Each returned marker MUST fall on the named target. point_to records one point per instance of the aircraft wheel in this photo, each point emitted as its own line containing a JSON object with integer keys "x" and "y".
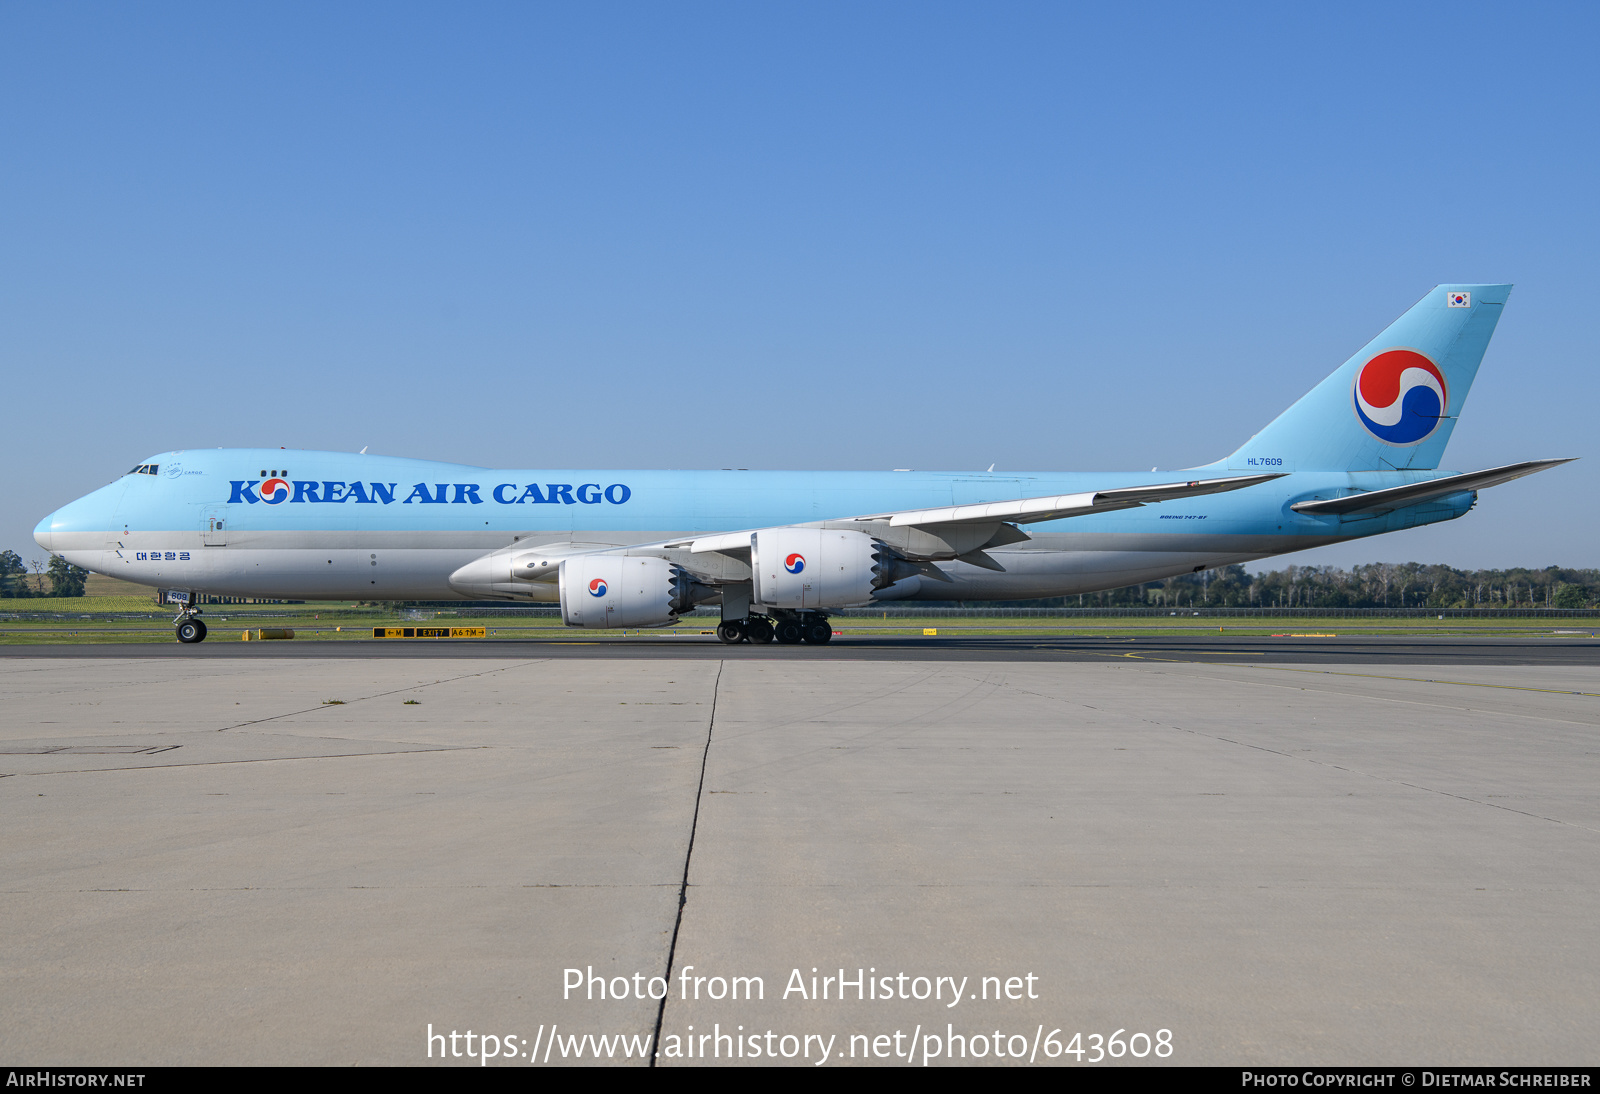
{"x": 758, "y": 630}
{"x": 818, "y": 632}
{"x": 788, "y": 632}
{"x": 191, "y": 630}
{"x": 731, "y": 632}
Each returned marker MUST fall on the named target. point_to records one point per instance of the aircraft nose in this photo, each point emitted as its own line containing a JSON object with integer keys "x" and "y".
{"x": 80, "y": 524}
{"x": 43, "y": 532}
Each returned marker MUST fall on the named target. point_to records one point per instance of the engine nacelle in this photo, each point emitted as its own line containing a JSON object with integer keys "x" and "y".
{"x": 805, "y": 569}
{"x": 512, "y": 573}
{"x": 624, "y": 591}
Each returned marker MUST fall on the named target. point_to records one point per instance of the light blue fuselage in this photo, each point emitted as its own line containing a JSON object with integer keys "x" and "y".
{"x": 373, "y": 527}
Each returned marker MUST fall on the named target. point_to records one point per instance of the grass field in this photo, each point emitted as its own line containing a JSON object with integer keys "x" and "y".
{"x": 109, "y": 619}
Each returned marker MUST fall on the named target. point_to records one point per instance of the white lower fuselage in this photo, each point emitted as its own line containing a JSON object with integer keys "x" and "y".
{"x": 381, "y": 569}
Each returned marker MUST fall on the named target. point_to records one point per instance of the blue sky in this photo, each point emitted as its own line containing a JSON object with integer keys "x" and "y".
{"x": 809, "y": 236}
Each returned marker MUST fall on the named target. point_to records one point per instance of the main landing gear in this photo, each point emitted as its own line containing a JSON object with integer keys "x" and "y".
{"x": 787, "y": 629}
{"x": 754, "y": 629}
{"x": 189, "y": 627}
{"x": 818, "y": 630}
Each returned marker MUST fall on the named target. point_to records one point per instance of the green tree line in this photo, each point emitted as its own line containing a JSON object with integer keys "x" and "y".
{"x": 1374, "y": 585}
{"x": 59, "y": 578}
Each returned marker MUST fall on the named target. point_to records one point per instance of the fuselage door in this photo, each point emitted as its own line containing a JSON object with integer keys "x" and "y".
{"x": 214, "y": 526}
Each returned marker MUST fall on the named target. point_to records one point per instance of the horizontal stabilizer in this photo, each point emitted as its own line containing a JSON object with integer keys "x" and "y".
{"x": 1398, "y": 497}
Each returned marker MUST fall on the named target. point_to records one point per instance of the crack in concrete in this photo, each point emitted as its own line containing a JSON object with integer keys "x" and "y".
{"x": 260, "y": 760}
{"x": 688, "y": 854}
{"x": 382, "y": 694}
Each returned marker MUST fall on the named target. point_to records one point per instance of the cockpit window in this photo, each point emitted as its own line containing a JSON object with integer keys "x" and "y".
{"x": 146, "y": 469}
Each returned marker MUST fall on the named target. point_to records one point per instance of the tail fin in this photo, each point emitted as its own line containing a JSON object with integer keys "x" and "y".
{"x": 1394, "y": 404}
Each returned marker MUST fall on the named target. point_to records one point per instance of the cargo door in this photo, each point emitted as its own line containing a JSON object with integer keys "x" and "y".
{"x": 214, "y": 526}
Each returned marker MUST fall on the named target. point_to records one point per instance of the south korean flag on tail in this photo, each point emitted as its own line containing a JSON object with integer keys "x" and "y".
{"x": 1458, "y": 300}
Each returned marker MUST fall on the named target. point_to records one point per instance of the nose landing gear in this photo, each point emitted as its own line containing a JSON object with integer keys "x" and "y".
{"x": 189, "y": 628}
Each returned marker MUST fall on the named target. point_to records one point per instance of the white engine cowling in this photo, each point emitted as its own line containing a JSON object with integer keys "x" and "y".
{"x": 624, "y": 591}
{"x": 805, "y": 569}
{"x": 512, "y": 573}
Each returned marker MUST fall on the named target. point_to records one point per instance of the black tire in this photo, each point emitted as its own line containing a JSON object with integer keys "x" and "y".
{"x": 731, "y": 631}
{"x": 788, "y": 632}
{"x": 759, "y": 630}
{"x": 818, "y": 632}
{"x": 191, "y": 630}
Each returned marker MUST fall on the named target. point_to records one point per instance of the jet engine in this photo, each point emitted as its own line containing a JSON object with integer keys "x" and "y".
{"x": 512, "y": 573}
{"x": 805, "y": 569}
{"x": 627, "y": 591}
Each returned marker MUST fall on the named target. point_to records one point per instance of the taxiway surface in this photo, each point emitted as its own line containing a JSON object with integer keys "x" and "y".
{"x": 298, "y": 854}
{"x": 1577, "y": 649}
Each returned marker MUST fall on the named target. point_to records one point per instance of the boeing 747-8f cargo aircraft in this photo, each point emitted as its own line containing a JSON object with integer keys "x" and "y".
{"x": 778, "y": 550}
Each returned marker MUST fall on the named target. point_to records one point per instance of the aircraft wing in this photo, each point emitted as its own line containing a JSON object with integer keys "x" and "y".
{"x": 1398, "y": 497}
{"x": 1031, "y": 510}
{"x": 995, "y": 513}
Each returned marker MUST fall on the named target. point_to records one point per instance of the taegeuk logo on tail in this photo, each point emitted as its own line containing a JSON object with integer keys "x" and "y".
{"x": 1400, "y": 397}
